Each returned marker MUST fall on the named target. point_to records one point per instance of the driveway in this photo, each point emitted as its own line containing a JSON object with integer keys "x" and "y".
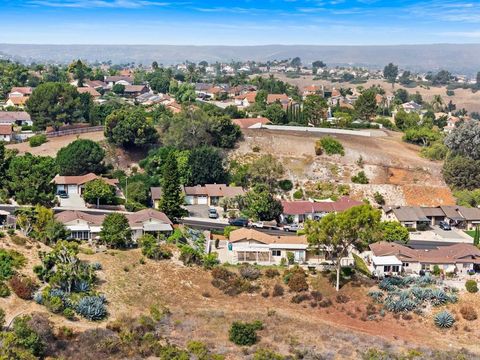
{"x": 435, "y": 234}
{"x": 201, "y": 211}
{"x": 74, "y": 201}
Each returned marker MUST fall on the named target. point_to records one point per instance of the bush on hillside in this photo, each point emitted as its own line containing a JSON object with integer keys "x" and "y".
{"x": 331, "y": 146}
{"x": 360, "y": 178}
{"x": 37, "y": 140}
{"x": 245, "y": 334}
{"x": 285, "y": 185}
{"x": 468, "y": 313}
{"x": 471, "y": 286}
{"x": 23, "y": 287}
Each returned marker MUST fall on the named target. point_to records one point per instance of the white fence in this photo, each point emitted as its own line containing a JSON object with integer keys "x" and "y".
{"x": 75, "y": 131}
{"x": 320, "y": 130}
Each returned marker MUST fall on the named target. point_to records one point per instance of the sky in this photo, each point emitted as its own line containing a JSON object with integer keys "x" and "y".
{"x": 239, "y": 22}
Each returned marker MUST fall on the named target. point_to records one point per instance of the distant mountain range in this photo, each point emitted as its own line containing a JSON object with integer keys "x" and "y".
{"x": 458, "y": 58}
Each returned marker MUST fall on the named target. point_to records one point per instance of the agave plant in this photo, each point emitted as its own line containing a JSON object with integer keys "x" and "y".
{"x": 377, "y": 296}
{"x": 439, "y": 297}
{"x": 387, "y": 285}
{"x": 82, "y": 286}
{"x": 444, "y": 319}
{"x": 38, "y": 297}
{"x": 91, "y": 308}
{"x": 96, "y": 266}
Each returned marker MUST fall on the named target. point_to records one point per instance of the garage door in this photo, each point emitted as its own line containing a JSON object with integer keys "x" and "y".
{"x": 189, "y": 200}
{"x": 202, "y": 200}
{"x": 72, "y": 189}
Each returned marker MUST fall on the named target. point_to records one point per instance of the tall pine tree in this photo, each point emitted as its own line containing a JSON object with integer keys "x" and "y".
{"x": 172, "y": 199}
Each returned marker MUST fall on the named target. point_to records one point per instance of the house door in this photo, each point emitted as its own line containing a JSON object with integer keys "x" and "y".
{"x": 202, "y": 200}
{"x": 299, "y": 256}
{"x": 72, "y": 189}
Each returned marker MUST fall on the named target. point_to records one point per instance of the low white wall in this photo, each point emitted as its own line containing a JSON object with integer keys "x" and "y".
{"x": 318, "y": 130}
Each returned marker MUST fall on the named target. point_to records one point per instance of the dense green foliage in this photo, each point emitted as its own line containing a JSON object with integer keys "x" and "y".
{"x": 116, "y": 232}
{"x": 152, "y": 249}
{"x": 172, "y": 198}
{"x": 29, "y": 179}
{"x": 80, "y": 157}
{"x": 259, "y": 204}
{"x": 206, "y": 165}
{"x": 54, "y": 104}
{"x": 37, "y": 140}
{"x": 462, "y": 173}
{"x": 394, "y": 231}
{"x": 98, "y": 192}
{"x": 130, "y": 127}
{"x": 244, "y": 334}
{"x": 331, "y": 146}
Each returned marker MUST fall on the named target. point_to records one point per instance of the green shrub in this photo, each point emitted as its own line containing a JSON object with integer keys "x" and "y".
{"x": 228, "y": 229}
{"x": 379, "y": 199}
{"x": 436, "y": 270}
{"x": 435, "y": 151}
{"x": 210, "y": 260}
{"x": 298, "y": 194}
{"x": 265, "y": 354}
{"x": 471, "y": 286}
{"x": 37, "y": 140}
{"x": 2, "y": 318}
{"x": 245, "y": 334}
{"x": 331, "y": 146}
{"x": 4, "y": 290}
{"x": 361, "y": 266}
{"x": 360, "y": 178}
{"x": 23, "y": 287}
{"x": 54, "y": 304}
{"x": 152, "y": 249}
{"x": 296, "y": 279}
{"x": 69, "y": 313}
{"x": 285, "y": 185}
{"x": 10, "y": 260}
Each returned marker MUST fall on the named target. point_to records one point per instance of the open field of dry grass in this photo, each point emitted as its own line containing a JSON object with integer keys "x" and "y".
{"x": 393, "y": 167}
{"x": 202, "y": 312}
{"x": 462, "y": 98}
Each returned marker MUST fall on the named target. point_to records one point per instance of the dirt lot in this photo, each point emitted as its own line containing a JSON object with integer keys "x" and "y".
{"x": 51, "y": 147}
{"x": 393, "y": 167}
{"x": 202, "y": 312}
{"x": 462, "y": 98}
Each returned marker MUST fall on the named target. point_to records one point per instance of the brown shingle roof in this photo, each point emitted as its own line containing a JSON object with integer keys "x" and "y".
{"x": 250, "y": 234}
{"x": 133, "y": 219}
{"x": 147, "y": 214}
{"x": 214, "y": 190}
{"x": 12, "y": 116}
{"x": 156, "y": 193}
{"x": 458, "y": 253}
{"x": 271, "y": 98}
{"x": 306, "y": 207}
{"x": 24, "y": 90}
{"x": 68, "y": 216}
{"x": 135, "y": 88}
{"x": 80, "y": 180}
{"x": 88, "y": 90}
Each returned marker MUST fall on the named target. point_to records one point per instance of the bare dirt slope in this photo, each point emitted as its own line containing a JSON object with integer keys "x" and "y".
{"x": 51, "y": 147}
{"x": 393, "y": 167}
{"x": 201, "y": 312}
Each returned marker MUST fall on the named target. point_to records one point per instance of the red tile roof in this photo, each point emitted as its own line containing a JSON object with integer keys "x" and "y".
{"x": 246, "y": 123}
{"x": 6, "y": 130}
{"x": 80, "y": 180}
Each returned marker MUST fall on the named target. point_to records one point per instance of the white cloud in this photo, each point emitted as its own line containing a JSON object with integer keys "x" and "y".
{"x": 129, "y": 4}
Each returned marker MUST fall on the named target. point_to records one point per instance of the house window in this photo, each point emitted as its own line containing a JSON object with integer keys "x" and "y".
{"x": 387, "y": 268}
{"x": 405, "y": 264}
{"x": 276, "y": 253}
{"x": 425, "y": 267}
{"x": 395, "y": 268}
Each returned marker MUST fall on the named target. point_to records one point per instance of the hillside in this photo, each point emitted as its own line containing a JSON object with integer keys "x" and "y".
{"x": 198, "y": 311}
{"x": 393, "y": 167}
{"x": 460, "y": 58}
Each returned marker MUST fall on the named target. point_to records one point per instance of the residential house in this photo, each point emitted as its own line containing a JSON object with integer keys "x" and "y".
{"x": 413, "y": 216}
{"x": 246, "y": 100}
{"x": 122, "y": 80}
{"x": 299, "y": 211}
{"x": 135, "y": 90}
{"x": 312, "y": 90}
{"x": 251, "y": 123}
{"x": 215, "y": 92}
{"x": 17, "y": 101}
{"x": 19, "y": 118}
{"x": 75, "y": 184}
{"x": 411, "y": 106}
{"x": 89, "y": 90}
{"x": 86, "y": 226}
{"x": 457, "y": 258}
{"x": 96, "y": 84}
{"x": 252, "y": 246}
{"x": 210, "y": 194}
{"x": 24, "y": 91}
{"x": 6, "y": 133}
{"x": 283, "y": 99}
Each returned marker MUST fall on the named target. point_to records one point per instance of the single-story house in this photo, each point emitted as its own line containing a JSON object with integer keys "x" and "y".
{"x": 412, "y": 216}
{"x": 458, "y": 258}
{"x": 89, "y": 90}
{"x": 210, "y": 194}
{"x": 246, "y": 100}
{"x": 312, "y": 90}
{"x": 6, "y": 133}
{"x": 85, "y": 226}
{"x": 75, "y": 184}
{"x": 386, "y": 265}
{"x": 252, "y": 246}
{"x": 20, "y": 91}
{"x": 135, "y": 90}
{"x": 155, "y": 196}
{"x": 411, "y": 106}
{"x": 17, "y": 101}
{"x": 122, "y": 80}
{"x": 251, "y": 123}
{"x": 299, "y": 211}
{"x": 19, "y": 118}
{"x": 95, "y": 84}
{"x": 283, "y": 99}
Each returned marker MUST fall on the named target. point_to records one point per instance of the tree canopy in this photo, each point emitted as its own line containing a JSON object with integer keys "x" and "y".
{"x": 55, "y": 104}
{"x": 465, "y": 140}
{"x": 116, "y": 232}
{"x": 206, "y": 166}
{"x": 366, "y": 105}
{"x": 390, "y": 73}
{"x": 130, "y": 127}
{"x": 80, "y": 157}
{"x": 259, "y": 204}
{"x": 98, "y": 192}
{"x": 172, "y": 199}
